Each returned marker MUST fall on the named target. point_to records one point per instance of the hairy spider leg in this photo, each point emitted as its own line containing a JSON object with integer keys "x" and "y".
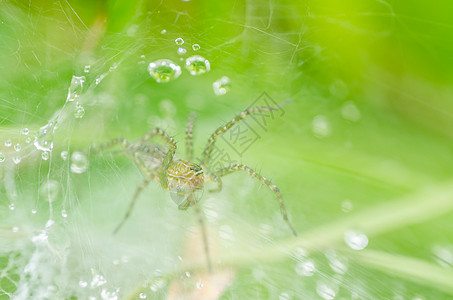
{"x": 149, "y": 177}
{"x": 216, "y": 179}
{"x": 132, "y": 203}
{"x": 203, "y": 231}
{"x": 109, "y": 144}
{"x": 189, "y": 137}
{"x": 263, "y": 180}
{"x": 168, "y": 156}
{"x": 222, "y": 129}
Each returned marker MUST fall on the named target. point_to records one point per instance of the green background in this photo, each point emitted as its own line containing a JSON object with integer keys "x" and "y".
{"x": 391, "y": 158}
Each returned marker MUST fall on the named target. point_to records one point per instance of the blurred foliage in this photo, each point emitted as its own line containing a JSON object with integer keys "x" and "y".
{"x": 364, "y": 144}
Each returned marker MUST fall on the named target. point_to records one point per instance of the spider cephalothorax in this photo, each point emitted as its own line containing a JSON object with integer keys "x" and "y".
{"x": 184, "y": 178}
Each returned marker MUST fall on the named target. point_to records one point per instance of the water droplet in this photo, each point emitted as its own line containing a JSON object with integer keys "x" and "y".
{"x": 347, "y": 206}
{"x": 17, "y": 147}
{"x": 8, "y": 143}
{"x": 320, "y": 126}
{"x": 226, "y": 232}
{"x": 40, "y": 238}
{"x": 64, "y": 214}
{"x": 79, "y": 111}
{"x": 11, "y": 206}
{"x": 195, "y": 47}
{"x": 142, "y": 296}
{"x": 300, "y": 253}
{"x": 443, "y": 255}
{"x": 28, "y": 140}
{"x": 17, "y": 159}
{"x": 199, "y": 284}
{"x": 98, "y": 280}
{"x": 79, "y": 163}
{"x": 87, "y": 69}
{"x": 2, "y": 157}
{"x": 326, "y": 291}
{"x": 181, "y": 51}
{"x": 45, "y": 155}
{"x": 179, "y": 41}
{"x": 75, "y": 88}
{"x": 50, "y": 223}
{"x": 34, "y": 211}
{"x": 44, "y": 140}
{"x": 15, "y": 229}
{"x": 164, "y": 70}
{"x": 187, "y": 274}
{"x": 284, "y": 296}
{"x": 356, "y": 240}
{"x": 197, "y": 65}
{"x": 113, "y": 67}
{"x": 83, "y": 284}
{"x": 222, "y": 86}
{"x": 350, "y": 112}
{"x": 49, "y": 190}
{"x": 305, "y": 268}
{"x": 337, "y": 263}
{"x": 25, "y": 131}
{"x": 64, "y": 155}
{"x": 163, "y": 31}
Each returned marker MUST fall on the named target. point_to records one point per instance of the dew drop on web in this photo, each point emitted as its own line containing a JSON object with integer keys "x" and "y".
{"x": 164, "y": 70}
{"x": 355, "y": 239}
{"x": 79, "y": 163}
{"x": 179, "y": 41}
{"x": 197, "y": 65}
{"x": 222, "y": 86}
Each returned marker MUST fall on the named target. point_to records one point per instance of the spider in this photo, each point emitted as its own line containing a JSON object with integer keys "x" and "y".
{"x": 183, "y": 177}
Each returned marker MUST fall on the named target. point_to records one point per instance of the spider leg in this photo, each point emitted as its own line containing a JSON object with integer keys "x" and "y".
{"x": 168, "y": 156}
{"x": 203, "y": 231}
{"x": 263, "y": 180}
{"x": 217, "y": 179}
{"x": 189, "y": 142}
{"x": 222, "y": 129}
{"x": 123, "y": 142}
{"x": 132, "y": 203}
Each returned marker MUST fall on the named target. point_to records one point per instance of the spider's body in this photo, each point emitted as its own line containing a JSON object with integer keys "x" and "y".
{"x": 183, "y": 177}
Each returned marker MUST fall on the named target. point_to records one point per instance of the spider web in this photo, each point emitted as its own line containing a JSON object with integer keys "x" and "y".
{"x": 74, "y": 78}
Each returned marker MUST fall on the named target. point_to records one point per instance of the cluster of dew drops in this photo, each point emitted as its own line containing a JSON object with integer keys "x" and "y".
{"x": 165, "y": 70}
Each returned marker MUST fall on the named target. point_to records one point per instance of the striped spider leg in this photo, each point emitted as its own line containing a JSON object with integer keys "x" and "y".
{"x": 215, "y": 175}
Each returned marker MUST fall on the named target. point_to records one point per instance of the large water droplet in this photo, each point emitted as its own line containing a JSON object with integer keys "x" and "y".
{"x": 79, "y": 163}
{"x": 195, "y": 47}
{"x": 75, "y": 89}
{"x": 44, "y": 139}
{"x": 164, "y": 70}
{"x": 179, "y": 41}
{"x": 79, "y": 111}
{"x": 197, "y": 65}
{"x": 222, "y": 86}
{"x": 355, "y": 239}
{"x": 320, "y": 126}
{"x": 49, "y": 190}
